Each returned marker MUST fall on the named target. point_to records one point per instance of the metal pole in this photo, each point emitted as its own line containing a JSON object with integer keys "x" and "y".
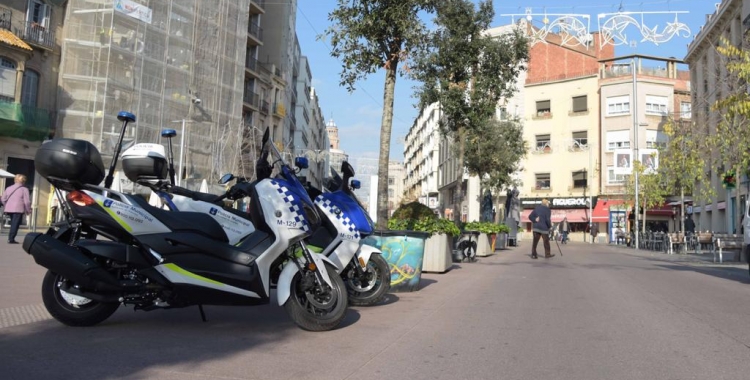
{"x": 634, "y": 102}
{"x": 591, "y": 215}
{"x": 182, "y": 152}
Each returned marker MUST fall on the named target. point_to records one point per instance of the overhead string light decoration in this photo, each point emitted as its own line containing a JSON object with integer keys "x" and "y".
{"x": 613, "y": 28}
{"x": 574, "y": 29}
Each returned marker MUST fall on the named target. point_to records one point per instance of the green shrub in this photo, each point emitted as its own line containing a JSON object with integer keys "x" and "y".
{"x": 487, "y": 227}
{"x": 429, "y": 225}
{"x": 413, "y": 211}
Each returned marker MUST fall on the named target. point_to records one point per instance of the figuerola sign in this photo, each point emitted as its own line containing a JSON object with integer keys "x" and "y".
{"x": 559, "y": 202}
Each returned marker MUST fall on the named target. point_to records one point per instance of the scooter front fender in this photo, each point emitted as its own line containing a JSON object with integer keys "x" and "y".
{"x": 364, "y": 253}
{"x": 284, "y": 285}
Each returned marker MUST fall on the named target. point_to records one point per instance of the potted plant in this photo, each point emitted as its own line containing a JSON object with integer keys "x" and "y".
{"x": 487, "y": 235}
{"x": 438, "y": 246}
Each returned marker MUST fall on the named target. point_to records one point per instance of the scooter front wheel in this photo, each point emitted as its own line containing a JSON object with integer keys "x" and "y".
{"x": 313, "y": 307}
{"x": 70, "y": 309}
{"x": 369, "y": 287}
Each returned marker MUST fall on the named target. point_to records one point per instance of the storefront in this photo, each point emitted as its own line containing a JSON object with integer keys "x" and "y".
{"x": 612, "y": 215}
{"x": 575, "y": 209}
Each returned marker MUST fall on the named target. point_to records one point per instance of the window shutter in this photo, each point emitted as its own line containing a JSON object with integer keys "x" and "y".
{"x": 580, "y": 103}
{"x": 542, "y": 105}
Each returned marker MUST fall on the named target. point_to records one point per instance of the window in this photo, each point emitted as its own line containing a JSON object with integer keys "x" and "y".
{"x": 614, "y": 179}
{"x": 543, "y": 108}
{"x": 618, "y": 140}
{"x": 579, "y": 179}
{"x": 655, "y": 139}
{"x": 581, "y": 139}
{"x": 7, "y": 80}
{"x": 542, "y": 142}
{"x": 30, "y": 88}
{"x": 391, "y": 181}
{"x": 38, "y": 13}
{"x": 390, "y": 193}
{"x": 686, "y": 110}
{"x": 580, "y": 103}
{"x": 656, "y": 105}
{"x": 542, "y": 181}
{"x": 618, "y": 105}
{"x": 502, "y": 114}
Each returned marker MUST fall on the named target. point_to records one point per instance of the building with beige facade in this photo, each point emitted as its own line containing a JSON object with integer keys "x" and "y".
{"x": 708, "y": 75}
{"x": 662, "y": 92}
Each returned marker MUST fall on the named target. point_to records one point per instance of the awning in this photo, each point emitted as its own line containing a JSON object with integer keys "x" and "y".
{"x": 573, "y": 215}
{"x": 601, "y": 211}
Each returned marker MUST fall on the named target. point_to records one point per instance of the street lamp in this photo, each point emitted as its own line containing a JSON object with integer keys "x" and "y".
{"x": 182, "y": 147}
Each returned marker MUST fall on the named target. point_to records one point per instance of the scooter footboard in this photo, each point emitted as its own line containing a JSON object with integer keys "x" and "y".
{"x": 283, "y": 286}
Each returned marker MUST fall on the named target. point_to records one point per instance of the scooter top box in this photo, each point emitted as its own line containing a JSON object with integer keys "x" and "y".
{"x": 70, "y": 159}
{"x": 145, "y": 162}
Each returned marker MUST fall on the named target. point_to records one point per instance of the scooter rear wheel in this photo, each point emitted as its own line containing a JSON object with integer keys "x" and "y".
{"x": 70, "y": 309}
{"x": 313, "y": 309}
{"x": 372, "y": 286}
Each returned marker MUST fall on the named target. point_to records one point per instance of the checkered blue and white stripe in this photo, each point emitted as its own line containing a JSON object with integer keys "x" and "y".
{"x": 294, "y": 206}
{"x": 329, "y": 207}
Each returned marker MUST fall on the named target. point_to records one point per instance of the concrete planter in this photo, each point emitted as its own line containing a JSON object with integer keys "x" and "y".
{"x": 501, "y": 241}
{"x": 483, "y": 245}
{"x": 437, "y": 254}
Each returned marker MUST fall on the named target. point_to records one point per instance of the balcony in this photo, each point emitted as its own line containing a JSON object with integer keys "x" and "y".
{"x": 257, "y": 6}
{"x": 24, "y": 122}
{"x": 251, "y": 99}
{"x": 5, "y": 17}
{"x": 37, "y": 35}
{"x": 251, "y": 64}
{"x": 255, "y": 31}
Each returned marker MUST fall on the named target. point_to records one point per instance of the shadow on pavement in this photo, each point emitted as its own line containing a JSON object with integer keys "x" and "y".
{"x": 425, "y": 282}
{"x": 133, "y": 345}
{"x": 728, "y": 273}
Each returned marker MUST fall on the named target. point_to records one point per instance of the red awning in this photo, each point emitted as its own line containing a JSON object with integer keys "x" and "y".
{"x": 573, "y": 215}
{"x": 601, "y": 211}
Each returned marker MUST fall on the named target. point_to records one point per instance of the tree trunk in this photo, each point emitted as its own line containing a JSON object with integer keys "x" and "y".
{"x": 385, "y": 144}
{"x": 682, "y": 218}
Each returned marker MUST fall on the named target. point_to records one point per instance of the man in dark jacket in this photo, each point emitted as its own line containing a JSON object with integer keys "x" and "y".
{"x": 541, "y": 218}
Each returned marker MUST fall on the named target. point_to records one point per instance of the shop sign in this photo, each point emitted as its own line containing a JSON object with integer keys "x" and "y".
{"x": 559, "y": 202}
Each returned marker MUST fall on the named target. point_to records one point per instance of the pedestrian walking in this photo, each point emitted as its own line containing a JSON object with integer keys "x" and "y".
{"x": 689, "y": 225}
{"x": 16, "y": 203}
{"x": 541, "y": 218}
{"x": 594, "y": 231}
{"x": 564, "y": 229}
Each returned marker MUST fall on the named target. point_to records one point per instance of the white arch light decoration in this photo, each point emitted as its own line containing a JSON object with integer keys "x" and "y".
{"x": 575, "y": 29}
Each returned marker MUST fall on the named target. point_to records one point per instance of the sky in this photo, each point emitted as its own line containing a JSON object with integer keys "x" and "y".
{"x": 358, "y": 114}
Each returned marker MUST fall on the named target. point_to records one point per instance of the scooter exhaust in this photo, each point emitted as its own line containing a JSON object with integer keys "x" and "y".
{"x": 68, "y": 262}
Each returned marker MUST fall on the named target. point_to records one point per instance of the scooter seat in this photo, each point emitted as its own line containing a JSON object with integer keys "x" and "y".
{"x": 185, "y": 221}
{"x": 195, "y": 195}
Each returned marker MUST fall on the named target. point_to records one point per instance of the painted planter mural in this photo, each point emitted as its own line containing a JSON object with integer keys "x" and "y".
{"x": 404, "y": 252}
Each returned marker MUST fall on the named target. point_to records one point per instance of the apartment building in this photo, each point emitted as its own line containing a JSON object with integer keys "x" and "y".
{"x": 731, "y": 20}
{"x": 662, "y": 91}
{"x": 396, "y": 176}
{"x": 561, "y": 127}
{"x": 30, "y": 51}
{"x": 421, "y": 157}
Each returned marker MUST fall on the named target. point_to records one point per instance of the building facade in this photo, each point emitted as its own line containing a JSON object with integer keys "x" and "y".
{"x": 396, "y": 176}
{"x": 421, "y": 150}
{"x": 708, "y": 76}
{"x": 662, "y": 92}
{"x": 30, "y": 53}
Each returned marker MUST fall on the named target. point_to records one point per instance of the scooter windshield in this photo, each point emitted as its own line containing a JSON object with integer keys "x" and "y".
{"x": 287, "y": 173}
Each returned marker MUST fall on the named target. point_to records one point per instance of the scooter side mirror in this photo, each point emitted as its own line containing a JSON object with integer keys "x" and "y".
{"x": 168, "y": 133}
{"x": 356, "y": 184}
{"x": 301, "y": 162}
{"x": 126, "y": 116}
{"x": 226, "y": 178}
{"x": 347, "y": 169}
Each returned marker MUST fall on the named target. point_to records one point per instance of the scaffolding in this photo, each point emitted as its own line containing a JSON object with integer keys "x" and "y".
{"x": 171, "y": 63}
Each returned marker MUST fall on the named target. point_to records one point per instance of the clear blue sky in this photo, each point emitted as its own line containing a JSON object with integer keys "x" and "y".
{"x": 358, "y": 114}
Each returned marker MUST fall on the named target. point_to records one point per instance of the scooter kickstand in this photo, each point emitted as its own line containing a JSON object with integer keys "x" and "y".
{"x": 203, "y": 315}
